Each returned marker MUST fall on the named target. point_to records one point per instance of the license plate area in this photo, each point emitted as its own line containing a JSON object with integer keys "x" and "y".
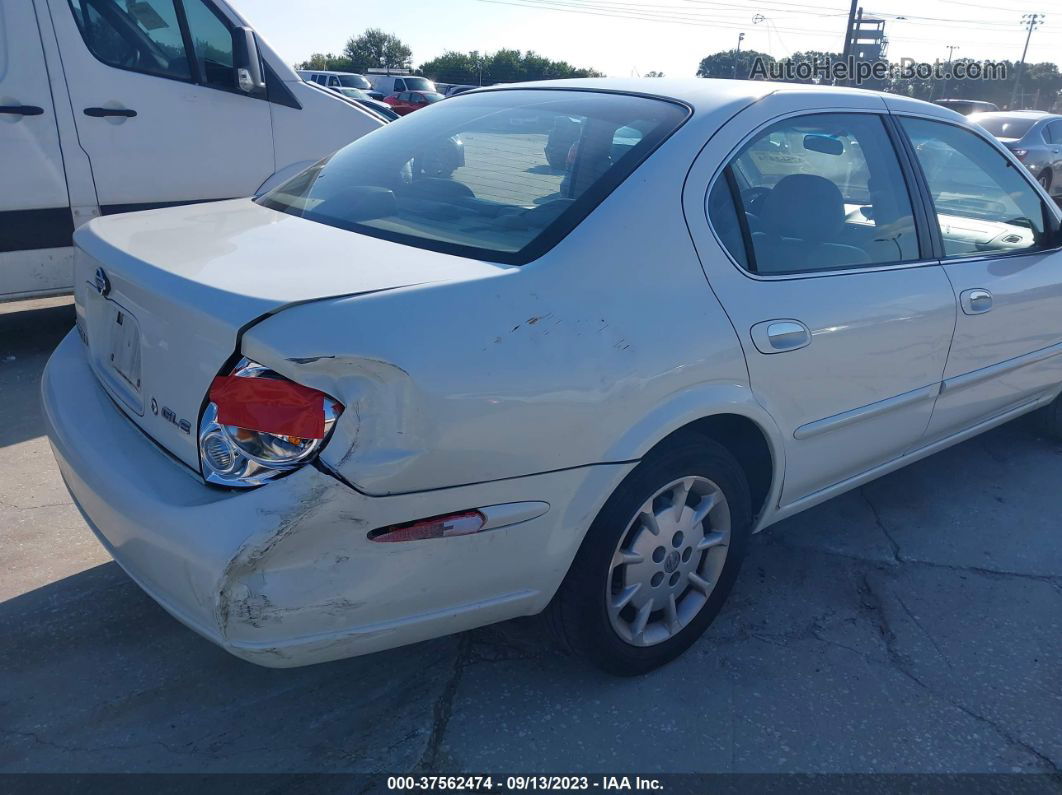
{"x": 114, "y": 347}
{"x": 125, "y": 347}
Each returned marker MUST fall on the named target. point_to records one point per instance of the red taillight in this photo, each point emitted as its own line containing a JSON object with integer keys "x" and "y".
{"x": 269, "y": 405}
{"x": 452, "y": 524}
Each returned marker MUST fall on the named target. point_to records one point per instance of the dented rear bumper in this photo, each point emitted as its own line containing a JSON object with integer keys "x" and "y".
{"x": 285, "y": 575}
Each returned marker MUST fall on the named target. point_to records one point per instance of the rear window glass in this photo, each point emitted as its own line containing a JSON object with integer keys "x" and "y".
{"x": 498, "y": 175}
{"x": 1006, "y": 126}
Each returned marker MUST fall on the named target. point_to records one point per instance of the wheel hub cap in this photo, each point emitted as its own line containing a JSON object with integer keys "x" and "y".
{"x": 668, "y": 561}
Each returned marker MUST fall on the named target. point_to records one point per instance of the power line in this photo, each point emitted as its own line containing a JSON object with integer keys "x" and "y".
{"x": 623, "y": 13}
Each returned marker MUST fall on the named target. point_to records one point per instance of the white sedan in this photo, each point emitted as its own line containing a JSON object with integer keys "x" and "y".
{"x": 377, "y": 405}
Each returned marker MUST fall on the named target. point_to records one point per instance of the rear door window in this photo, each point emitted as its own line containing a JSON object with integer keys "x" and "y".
{"x": 816, "y": 193}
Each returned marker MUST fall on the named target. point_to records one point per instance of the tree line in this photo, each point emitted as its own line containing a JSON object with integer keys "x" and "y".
{"x": 375, "y": 49}
{"x": 1040, "y": 86}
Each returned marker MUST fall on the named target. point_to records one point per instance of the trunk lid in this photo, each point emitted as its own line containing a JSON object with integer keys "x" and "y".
{"x": 163, "y": 296}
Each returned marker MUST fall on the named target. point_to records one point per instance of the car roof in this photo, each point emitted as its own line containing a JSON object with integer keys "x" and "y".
{"x": 1017, "y": 114}
{"x": 705, "y": 95}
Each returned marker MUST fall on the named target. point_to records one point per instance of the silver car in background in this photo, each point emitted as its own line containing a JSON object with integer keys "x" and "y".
{"x": 1035, "y": 138}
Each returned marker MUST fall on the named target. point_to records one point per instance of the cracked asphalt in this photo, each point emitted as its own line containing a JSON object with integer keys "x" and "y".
{"x": 914, "y": 625}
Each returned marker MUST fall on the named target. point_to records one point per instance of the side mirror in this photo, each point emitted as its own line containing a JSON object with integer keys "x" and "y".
{"x": 248, "y": 63}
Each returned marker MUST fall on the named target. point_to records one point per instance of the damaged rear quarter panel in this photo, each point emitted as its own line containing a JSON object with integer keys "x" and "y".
{"x": 529, "y": 369}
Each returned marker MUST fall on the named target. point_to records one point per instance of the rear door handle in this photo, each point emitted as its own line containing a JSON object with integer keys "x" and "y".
{"x": 21, "y": 110}
{"x": 99, "y": 113}
{"x": 779, "y": 336}
{"x": 976, "y": 301}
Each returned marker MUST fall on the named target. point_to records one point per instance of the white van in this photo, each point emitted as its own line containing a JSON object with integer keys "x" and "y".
{"x": 393, "y": 84}
{"x": 109, "y": 106}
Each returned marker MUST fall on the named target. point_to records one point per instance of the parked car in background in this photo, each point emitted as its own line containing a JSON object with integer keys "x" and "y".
{"x": 1034, "y": 137}
{"x": 460, "y": 89}
{"x": 409, "y": 101}
{"x": 967, "y": 106}
{"x": 108, "y": 106}
{"x": 374, "y": 406}
{"x": 341, "y": 80}
{"x": 396, "y": 84}
{"x": 359, "y": 96}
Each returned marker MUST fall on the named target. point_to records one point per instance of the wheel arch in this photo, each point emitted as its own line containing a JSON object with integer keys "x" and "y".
{"x": 728, "y": 414}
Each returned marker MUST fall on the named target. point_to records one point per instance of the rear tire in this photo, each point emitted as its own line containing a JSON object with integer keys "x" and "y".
{"x": 681, "y": 574}
{"x": 1045, "y": 180}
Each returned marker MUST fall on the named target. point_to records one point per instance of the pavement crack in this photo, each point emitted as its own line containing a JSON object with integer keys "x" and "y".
{"x": 429, "y": 760}
{"x": 874, "y": 607}
{"x": 896, "y": 556}
{"x": 926, "y": 632}
{"x": 1051, "y": 579}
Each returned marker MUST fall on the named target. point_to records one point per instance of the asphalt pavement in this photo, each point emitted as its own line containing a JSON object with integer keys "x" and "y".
{"x": 914, "y": 625}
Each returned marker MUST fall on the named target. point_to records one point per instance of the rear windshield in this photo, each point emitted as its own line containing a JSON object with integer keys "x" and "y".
{"x": 499, "y": 175}
{"x": 1006, "y": 126}
{"x": 354, "y": 81}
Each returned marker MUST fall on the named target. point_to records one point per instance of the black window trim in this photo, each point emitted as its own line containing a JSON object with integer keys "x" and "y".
{"x": 925, "y": 254}
{"x": 285, "y": 98}
{"x": 566, "y": 223}
{"x": 1051, "y": 212}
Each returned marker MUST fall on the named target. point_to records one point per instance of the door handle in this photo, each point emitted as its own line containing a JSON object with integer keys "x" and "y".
{"x": 779, "y": 336}
{"x": 976, "y": 301}
{"x": 21, "y": 110}
{"x": 99, "y": 113}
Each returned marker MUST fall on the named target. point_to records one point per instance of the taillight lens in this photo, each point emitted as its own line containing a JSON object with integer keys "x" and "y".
{"x": 259, "y": 425}
{"x": 1020, "y": 153}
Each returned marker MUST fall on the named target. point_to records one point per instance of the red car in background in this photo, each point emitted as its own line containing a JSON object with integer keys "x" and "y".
{"x": 409, "y": 101}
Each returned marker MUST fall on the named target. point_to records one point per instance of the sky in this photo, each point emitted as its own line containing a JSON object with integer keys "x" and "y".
{"x": 624, "y": 38}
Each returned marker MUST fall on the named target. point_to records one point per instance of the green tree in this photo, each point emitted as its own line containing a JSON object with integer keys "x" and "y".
{"x": 654, "y": 73}
{"x": 375, "y": 49}
{"x": 502, "y": 66}
{"x": 731, "y": 64}
{"x": 326, "y": 62}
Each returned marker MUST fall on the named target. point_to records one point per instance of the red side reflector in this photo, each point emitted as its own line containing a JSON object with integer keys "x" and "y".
{"x": 453, "y": 524}
{"x": 270, "y": 405}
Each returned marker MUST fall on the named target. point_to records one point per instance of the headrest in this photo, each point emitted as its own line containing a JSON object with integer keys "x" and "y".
{"x": 805, "y": 206}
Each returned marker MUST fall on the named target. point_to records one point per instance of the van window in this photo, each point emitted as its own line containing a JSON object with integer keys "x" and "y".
{"x": 400, "y": 85}
{"x": 139, "y": 35}
{"x": 471, "y": 177}
{"x": 212, "y": 40}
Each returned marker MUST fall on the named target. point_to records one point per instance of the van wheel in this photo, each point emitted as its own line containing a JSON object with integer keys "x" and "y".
{"x": 659, "y": 560}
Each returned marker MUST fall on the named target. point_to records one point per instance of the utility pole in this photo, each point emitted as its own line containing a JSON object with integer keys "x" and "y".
{"x": 1031, "y": 23}
{"x": 849, "y": 32}
{"x": 737, "y": 54}
{"x": 933, "y": 85}
{"x": 847, "y": 49}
